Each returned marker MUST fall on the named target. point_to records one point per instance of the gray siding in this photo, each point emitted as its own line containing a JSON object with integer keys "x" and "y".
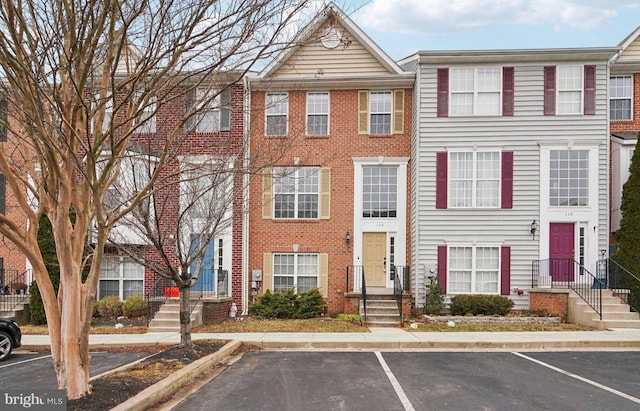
{"x": 521, "y": 134}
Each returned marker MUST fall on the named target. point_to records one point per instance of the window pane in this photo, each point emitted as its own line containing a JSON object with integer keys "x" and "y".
{"x": 277, "y": 108}
{"x": 109, "y": 287}
{"x": 462, "y": 104}
{"x": 379, "y": 192}
{"x": 380, "y": 112}
{"x": 317, "y": 113}
{"x": 569, "y": 181}
{"x": 131, "y": 287}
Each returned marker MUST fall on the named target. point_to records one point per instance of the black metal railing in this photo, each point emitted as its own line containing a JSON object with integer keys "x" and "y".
{"x": 621, "y": 281}
{"x": 210, "y": 283}
{"x": 565, "y": 272}
{"x": 397, "y": 290}
{"x": 14, "y": 289}
{"x": 158, "y": 294}
{"x": 363, "y": 282}
{"x": 359, "y": 284}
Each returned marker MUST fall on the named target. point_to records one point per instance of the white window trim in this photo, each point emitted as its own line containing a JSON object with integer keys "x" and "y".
{"x": 581, "y": 90}
{"x": 474, "y": 180}
{"x": 328, "y": 113}
{"x": 120, "y": 261}
{"x": 297, "y": 193}
{"x": 475, "y": 92}
{"x": 630, "y": 76}
{"x": 390, "y": 113}
{"x": 267, "y": 115}
{"x": 295, "y": 269}
{"x": 474, "y": 246}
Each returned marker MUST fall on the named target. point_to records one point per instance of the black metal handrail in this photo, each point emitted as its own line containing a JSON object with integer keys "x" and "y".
{"x": 621, "y": 281}
{"x": 14, "y": 289}
{"x": 565, "y": 272}
{"x": 398, "y": 288}
{"x": 157, "y": 295}
{"x": 363, "y": 281}
{"x": 210, "y": 283}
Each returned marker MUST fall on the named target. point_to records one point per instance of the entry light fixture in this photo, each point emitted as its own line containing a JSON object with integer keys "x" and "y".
{"x": 534, "y": 228}
{"x": 347, "y": 238}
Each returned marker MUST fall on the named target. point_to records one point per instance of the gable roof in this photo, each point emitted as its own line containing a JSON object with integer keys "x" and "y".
{"x": 332, "y": 16}
{"x": 628, "y": 59}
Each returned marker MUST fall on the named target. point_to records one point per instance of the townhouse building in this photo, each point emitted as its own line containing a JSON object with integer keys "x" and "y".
{"x": 624, "y": 115}
{"x": 510, "y": 170}
{"x": 331, "y": 124}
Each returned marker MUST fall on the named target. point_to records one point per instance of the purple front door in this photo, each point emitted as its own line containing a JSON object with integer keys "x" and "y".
{"x": 561, "y": 251}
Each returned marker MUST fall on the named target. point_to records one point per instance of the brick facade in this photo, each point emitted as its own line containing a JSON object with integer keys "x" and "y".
{"x": 555, "y": 302}
{"x": 335, "y": 151}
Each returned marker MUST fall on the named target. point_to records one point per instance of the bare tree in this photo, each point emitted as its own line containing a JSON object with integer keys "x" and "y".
{"x": 84, "y": 80}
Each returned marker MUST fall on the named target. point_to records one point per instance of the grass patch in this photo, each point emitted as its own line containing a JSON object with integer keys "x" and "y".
{"x": 253, "y": 325}
{"x": 500, "y": 327}
{"x": 28, "y": 329}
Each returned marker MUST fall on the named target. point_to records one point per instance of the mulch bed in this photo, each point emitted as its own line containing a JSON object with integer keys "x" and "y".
{"x": 113, "y": 389}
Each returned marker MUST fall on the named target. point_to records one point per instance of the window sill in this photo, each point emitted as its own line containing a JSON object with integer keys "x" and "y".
{"x": 318, "y": 137}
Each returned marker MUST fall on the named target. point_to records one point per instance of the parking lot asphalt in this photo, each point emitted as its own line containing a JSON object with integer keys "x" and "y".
{"x": 299, "y": 380}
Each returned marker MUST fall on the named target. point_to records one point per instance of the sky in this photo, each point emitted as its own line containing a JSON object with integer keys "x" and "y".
{"x": 402, "y": 27}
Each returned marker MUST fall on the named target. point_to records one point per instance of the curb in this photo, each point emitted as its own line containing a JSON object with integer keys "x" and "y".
{"x": 162, "y": 389}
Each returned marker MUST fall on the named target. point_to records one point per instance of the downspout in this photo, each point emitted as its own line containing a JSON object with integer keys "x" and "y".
{"x": 245, "y": 196}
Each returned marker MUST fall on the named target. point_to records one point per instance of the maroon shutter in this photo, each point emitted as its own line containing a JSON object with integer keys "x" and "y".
{"x": 589, "y": 90}
{"x": 505, "y": 270}
{"x": 441, "y": 179}
{"x": 507, "y": 179}
{"x": 443, "y": 92}
{"x": 550, "y": 91}
{"x": 507, "y": 91}
{"x": 442, "y": 267}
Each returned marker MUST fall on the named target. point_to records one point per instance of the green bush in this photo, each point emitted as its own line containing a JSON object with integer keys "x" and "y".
{"x": 480, "y": 304}
{"x": 109, "y": 307}
{"x": 434, "y": 301}
{"x": 289, "y": 305}
{"x": 350, "y": 317}
{"x": 134, "y": 306}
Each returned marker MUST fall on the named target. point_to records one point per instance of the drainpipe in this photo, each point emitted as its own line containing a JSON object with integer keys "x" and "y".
{"x": 245, "y": 196}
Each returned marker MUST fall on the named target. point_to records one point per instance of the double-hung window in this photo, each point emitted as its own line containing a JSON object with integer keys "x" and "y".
{"x": 380, "y": 107}
{"x": 474, "y": 180}
{"x": 214, "y": 113}
{"x": 277, "y": 109}
{"x": 620, "y": 97}
{"x": 296, "y": 192}
{"x": 475, "y": 91}
{"x": 380, "y": 192}
{"x": 120, "y": 277}
{"x": 295, "y": 271}
{"x": 473, "y": 269}
{"x": 570, "y": 84}
{"x": 317, "y": 114}
{"x": 569, "y": 178}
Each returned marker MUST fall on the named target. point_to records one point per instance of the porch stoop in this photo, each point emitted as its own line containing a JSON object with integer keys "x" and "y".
{"x": 167, "y": 319}
{"x": 18, "y": 311}
{"x": 615, "y": 313}
{"x": 382, "y": 310}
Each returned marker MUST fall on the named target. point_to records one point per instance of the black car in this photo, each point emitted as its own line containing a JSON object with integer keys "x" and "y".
{"x": 10, "y": 337}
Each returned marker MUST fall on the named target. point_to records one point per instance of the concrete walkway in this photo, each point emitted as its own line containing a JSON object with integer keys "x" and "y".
{"x": 387, "y": 339}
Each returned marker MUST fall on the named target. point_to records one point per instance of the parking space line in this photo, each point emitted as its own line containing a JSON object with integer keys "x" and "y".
{"x": 394, "y": 382}
{"x": 26, "y": 361}
{"x": 577, "y": 377}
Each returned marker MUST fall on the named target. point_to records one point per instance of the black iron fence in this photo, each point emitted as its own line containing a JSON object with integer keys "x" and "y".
{"x": 621, "y": 281}
{"x": 14, "y": 289}
{"x": 565, "y": 272}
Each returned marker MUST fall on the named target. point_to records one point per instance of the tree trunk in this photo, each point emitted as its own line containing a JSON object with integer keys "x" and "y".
{"x": 185, "y": 317}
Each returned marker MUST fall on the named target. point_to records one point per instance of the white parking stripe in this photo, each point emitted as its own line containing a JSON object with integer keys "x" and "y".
{"x": 25, "y": 361}
{"x": 577, "y": 377}
{"x": 396, "y": 385}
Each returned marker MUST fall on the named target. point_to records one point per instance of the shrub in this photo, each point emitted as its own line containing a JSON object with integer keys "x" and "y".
{"x": 109, "y": 307}
{"x": 434, "y": 301}
{"x": 480, "y": 304}
{"x": 289, "y": 305}
{"x": 134, "y": 306}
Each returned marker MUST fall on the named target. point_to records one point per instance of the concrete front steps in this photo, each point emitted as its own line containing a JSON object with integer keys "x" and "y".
{"x": 615, "y": 313}
{"x": 15, "y": 310}
{"x": 382, "y": 309}
{"x": 167, "y": 319}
